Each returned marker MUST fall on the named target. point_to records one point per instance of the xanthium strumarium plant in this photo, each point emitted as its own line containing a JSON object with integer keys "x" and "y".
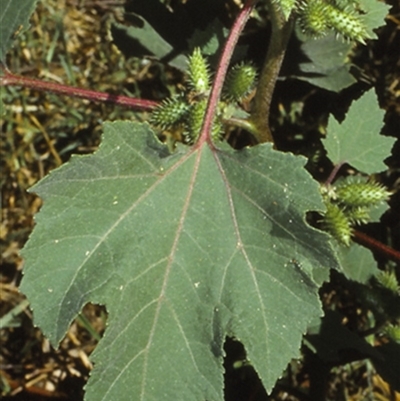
{"x": 190, "y": 245}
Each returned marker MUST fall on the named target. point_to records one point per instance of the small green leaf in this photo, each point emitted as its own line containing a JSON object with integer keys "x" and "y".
{"x": 326, "y": 64}
{"x": 148, "y": 42}
{"x": 209, "y": 40}
{"x": 373, "y": 15}
{"x": 356, "y": 140}
{"x": 14, "y": 18}
{"x": 357, "y": 262}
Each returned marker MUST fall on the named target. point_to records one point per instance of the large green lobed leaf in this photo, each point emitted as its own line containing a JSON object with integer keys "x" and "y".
{"x": 14, "y": 17}
{"x": 183, "y": 250}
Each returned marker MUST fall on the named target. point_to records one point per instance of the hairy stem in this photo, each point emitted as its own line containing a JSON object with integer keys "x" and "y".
{"x": 8, "y": 79}
{"x": 281, "y": 30}
{"x": 237, "y": 28}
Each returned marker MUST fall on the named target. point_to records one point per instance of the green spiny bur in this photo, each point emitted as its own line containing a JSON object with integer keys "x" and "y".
{"x": 171, "y": 112}
{"x": 346, "y": 24}
{"x": 312, "y": 18}
{"x": 239, "y": 81}
{"x": 217, "y": 127}
{"x": 348, "y": 204}
{"x": 389, "y": 281}
{"x": 337, "y": 224}
{"x": 195, "y": 122}
{"x": 198, "y": 74}
{"x": 317, "y": 16}
{"x": 361, "y": 194}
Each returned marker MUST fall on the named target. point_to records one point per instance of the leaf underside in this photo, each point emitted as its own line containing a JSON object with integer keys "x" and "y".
{"x": 183, "y": 250}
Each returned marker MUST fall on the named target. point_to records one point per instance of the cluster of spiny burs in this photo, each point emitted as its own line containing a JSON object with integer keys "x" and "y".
{"x": 182, "y": 115}
{"x": 318, "y": 17}
{"x": 349, "y": 203}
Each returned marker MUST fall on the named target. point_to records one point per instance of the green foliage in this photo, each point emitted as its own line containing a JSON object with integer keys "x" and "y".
{"x": 373, "y": 15}
{"x": 210, "y": 39}
{"x": 195, "y": 121}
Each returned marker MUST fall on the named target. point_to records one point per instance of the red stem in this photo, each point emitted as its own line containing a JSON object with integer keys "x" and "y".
{"x": 334, "y": 172}
{"x": 236, "y": 30}
{"x": 376, "y": 245}
{"x": 8, "y": 79}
